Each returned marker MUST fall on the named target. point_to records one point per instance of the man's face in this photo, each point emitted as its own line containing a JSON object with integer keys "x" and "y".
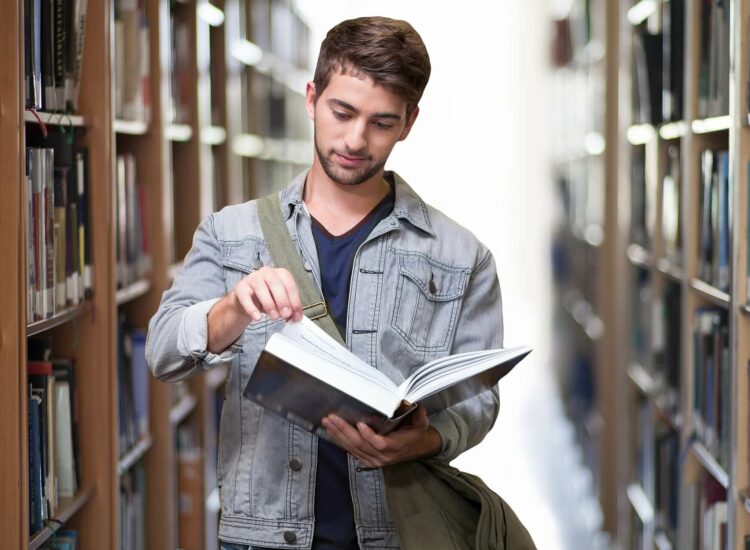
{"x": 357, "y": 123}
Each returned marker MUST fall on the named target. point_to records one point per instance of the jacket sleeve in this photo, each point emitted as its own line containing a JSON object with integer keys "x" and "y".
{"x": 178, "y": 332}
{"x": 480, "y": 326}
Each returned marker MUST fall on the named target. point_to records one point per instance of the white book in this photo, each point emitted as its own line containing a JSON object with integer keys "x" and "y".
{"x": 65, "y": 464}
{"x": 303, "y": 374}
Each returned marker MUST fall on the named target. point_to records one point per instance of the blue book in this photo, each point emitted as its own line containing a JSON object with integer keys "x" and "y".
{"x": 35, "y": 461}
{"x": 140, "y": 375}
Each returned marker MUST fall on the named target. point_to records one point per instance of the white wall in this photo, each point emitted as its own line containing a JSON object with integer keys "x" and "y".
{"x": 479, "y": 152}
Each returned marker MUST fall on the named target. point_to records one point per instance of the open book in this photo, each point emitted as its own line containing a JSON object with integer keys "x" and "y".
{"x": 303, "y": 374}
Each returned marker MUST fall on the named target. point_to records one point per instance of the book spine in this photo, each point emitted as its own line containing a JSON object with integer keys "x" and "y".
{"x": 49, "y": 233}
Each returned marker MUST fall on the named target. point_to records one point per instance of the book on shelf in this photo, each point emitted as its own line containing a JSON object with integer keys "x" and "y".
{"x": 132, "y": 253}
{"x": 132, "y": 80}
{"x": 132, "y": 385}
{"x": 711, "y": 382}
{"x": 671, "y": 201}
{"x": 714, "y": 219}
{"x": 54, "y": 38}
{"x": 673, "y": 25}
{"x": 58, "y": 261}
{"x": 303, "y": 374}
{"x": 66, "y": 539}
{"x": 54, "y": 451}
{"x": 133, "y": 508}
{"x": 713, "y": 75}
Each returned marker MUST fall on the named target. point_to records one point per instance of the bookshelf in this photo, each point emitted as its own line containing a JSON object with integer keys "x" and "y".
{"x": 180, "y": 164}
{"x": 678, "y": 358}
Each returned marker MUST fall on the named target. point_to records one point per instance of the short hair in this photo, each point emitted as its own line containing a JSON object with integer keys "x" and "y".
{"x": 389, "y": 51}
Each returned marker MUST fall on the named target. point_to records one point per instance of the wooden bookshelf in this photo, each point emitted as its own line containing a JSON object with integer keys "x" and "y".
{"x": 188, "y": 169}
{"x": 667, "y": 290}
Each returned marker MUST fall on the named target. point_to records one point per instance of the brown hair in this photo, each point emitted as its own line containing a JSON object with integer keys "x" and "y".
{"x": 387, "y": 50}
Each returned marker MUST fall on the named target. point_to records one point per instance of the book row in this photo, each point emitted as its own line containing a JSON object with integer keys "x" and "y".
{"x": 59, "y": 267}
{"x": 53, "y": 47}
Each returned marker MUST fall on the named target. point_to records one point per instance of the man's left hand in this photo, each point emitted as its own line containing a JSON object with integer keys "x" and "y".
{"x": 414, "y": 440}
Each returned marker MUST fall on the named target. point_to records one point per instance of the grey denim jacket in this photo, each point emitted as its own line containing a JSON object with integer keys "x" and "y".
{"x": 421, "y": 287}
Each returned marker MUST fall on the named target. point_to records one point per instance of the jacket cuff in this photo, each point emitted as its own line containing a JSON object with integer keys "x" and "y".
{"x": 449, "y": 435}
{"x": 193, "y": 337}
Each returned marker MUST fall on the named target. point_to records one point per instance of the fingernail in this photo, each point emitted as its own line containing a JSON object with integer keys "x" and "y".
{"x": 286, "y": 312}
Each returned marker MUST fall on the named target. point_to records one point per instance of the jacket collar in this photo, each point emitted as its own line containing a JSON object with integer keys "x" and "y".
{"x": 407, "y": 206}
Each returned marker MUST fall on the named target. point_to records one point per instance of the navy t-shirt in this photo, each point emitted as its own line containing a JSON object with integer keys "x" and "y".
{"x": 334, "y": 513}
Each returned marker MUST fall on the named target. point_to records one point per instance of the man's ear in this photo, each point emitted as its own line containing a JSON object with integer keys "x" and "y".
{"x": 310, "y": 98}
{"x": 409, "y": 123}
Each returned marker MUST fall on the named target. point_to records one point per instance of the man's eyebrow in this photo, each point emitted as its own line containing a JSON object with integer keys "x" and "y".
{"x": 353, "y": 109}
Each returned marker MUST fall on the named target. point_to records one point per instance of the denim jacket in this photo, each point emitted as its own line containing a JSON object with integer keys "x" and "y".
{"x": 421, "y": 287}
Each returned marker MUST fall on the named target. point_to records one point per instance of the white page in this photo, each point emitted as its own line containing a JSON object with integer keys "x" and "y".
{"x": 418, "y": 386}
{"x": 310, "y": 349}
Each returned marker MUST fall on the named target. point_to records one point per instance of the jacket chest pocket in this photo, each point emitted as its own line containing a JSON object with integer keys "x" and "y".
{"x": 428, "y": 300}
{"x": 239, "y": 258}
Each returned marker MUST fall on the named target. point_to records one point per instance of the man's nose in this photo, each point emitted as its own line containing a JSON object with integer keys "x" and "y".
{"x": 356, "y": 137}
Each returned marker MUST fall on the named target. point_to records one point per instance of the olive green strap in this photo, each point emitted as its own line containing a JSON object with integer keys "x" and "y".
{"x": 285, "y": 255}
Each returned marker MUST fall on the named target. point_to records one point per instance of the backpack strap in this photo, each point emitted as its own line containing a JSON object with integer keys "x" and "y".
{"x": 285, "y": 254}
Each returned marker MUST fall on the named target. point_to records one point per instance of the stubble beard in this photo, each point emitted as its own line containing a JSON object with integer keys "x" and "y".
{"x": 343, "y": 176}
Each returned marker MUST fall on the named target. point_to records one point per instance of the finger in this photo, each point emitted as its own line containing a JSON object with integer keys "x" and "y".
{"x": 350, "y": 439}
{"x": 263, "y": 295}
{"x": 244, "y": 295}
{"x": 292, "y": 290}
{"x": 377, "y": 442}
{"x": 419, "y": 418}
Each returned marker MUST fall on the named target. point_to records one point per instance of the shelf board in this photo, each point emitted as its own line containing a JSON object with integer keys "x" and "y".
{"x": 670, "y": 270}
{"x": 133, "y": 291}
{"x": 640, "y": 503}
{"x": 642, "y": 379}
{"x": 665, "y": 412}
{"x": 711, "y": 124}
{"x": 55, "y": 119}
{"x": 67, "y": 507}
{"x": 56, "y": 320}
{"x": 180, "y": 133}
{"x": 639, "y": 256}
{"x": 134, "y": 455}
{"x": 182, "y": 409}
{"x": 662, "y": 541}
{"x": 706, "y": 459}
{"x": 711, "y": 293}
{"x": 673, "y": 130}
{"x": 213, "y": 135}
{"x": 642, "y": 11}
{"x": 640, "y": 134}
{"x": 216, "y": 377}
{"x": 583, "y": 314}
{"x": 130, "y": 127}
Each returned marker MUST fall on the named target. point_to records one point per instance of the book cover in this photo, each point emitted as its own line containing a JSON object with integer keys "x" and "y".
{"x": 303, "y": 375}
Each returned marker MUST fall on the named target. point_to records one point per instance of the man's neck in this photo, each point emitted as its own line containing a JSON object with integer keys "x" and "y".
{"x": 340, "y": 207}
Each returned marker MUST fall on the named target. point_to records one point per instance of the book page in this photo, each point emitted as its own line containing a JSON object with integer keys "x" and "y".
{"x": 309, "y": 348}
{"x": 448, "y": 371}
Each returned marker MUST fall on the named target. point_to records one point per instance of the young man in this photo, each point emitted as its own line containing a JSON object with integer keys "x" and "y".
{"x": 403, "y": 282}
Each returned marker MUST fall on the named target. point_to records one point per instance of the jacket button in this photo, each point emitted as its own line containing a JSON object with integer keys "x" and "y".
{"x": 290, "y": 536}
{"x": 295, "y": 464}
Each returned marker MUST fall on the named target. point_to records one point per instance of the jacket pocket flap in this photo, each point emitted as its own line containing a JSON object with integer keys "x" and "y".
{"x": 437, "y": 281}
{"x": 246, "y": 256}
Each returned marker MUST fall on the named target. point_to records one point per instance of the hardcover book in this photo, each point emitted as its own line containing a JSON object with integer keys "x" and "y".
{"x": 304, "y": 375}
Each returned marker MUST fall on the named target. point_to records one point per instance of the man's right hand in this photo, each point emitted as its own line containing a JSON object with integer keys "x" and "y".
{"x": 269, "y": 290}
